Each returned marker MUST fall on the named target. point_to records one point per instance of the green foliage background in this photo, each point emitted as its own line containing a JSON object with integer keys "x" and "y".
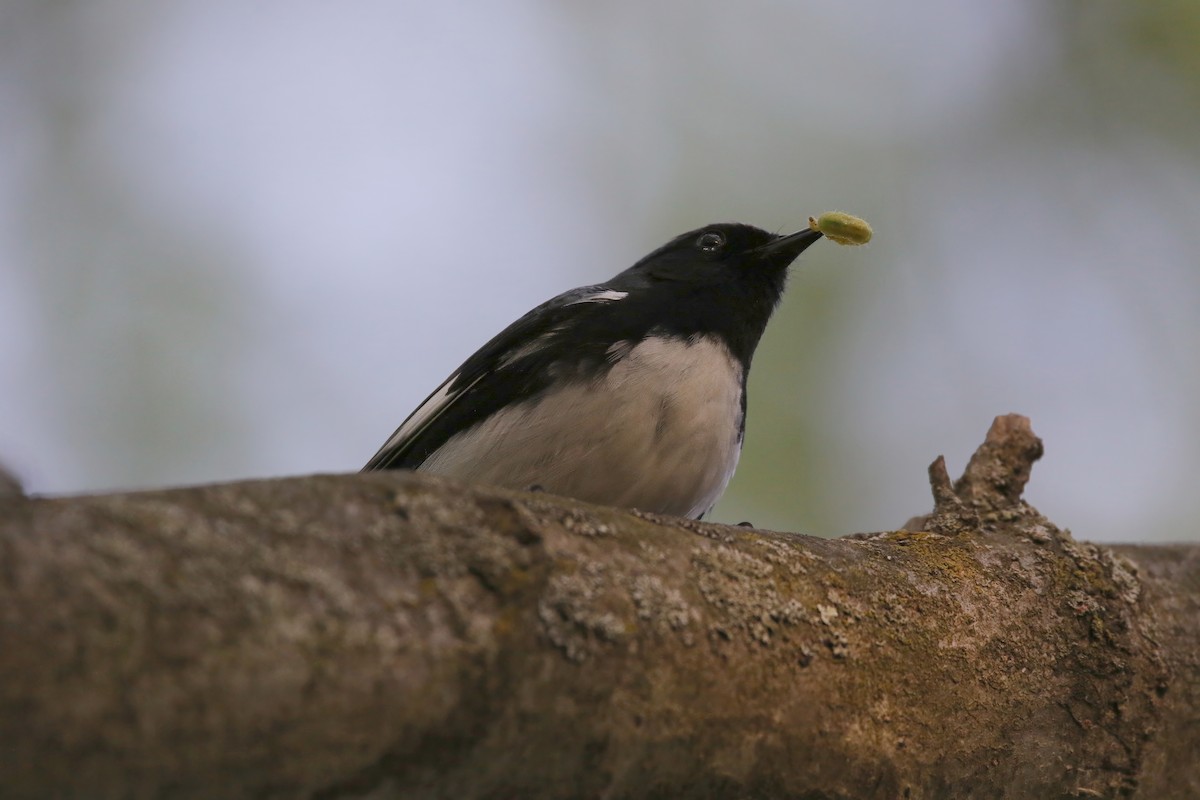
{"x": 246, "y": 240}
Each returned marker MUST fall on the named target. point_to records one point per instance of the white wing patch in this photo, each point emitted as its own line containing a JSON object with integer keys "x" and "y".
{"x": 530, "y": 348}
{"x": 607, "y": 296}
{"x": 618, "y": 351}
{"x": 426, "y": 413}
{"x": 444, "y": 397}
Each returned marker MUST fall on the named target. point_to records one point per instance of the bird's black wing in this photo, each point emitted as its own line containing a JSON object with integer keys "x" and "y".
{"x": 513, "y": 366}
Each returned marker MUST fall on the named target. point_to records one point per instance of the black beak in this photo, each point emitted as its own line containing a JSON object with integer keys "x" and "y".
{"x": 784, "y": 249}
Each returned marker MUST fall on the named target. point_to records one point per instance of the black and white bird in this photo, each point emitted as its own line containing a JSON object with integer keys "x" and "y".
{"x": 629, "y": 393}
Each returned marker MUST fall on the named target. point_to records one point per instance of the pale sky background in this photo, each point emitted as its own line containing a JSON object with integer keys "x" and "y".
{"x": 244, "y": 240}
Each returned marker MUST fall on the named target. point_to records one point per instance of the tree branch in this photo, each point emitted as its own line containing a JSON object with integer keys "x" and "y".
{"x": 394, "y": 635}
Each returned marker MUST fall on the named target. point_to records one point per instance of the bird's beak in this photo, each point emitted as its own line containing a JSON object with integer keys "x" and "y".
{"x": 784, "y": 249}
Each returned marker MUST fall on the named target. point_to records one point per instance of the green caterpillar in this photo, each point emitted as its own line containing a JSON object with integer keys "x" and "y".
{"x": 841, "y": 227}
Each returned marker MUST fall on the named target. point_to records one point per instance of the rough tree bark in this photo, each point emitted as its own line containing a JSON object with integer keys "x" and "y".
{"x": 391, "y": 635}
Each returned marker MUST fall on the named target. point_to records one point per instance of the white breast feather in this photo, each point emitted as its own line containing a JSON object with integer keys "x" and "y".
{"x": 659, "y": 432}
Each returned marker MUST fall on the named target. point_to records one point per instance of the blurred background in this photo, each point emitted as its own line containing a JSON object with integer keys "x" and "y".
{"x": 246, "y": 239}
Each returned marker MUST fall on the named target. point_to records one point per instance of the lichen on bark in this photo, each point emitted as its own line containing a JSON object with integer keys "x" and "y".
{"x": 395, "y": 635}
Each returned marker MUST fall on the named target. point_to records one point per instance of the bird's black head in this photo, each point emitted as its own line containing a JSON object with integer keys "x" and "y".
{"x": 721, "y": 279}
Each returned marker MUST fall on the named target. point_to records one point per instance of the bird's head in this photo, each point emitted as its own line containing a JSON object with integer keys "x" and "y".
{"x": 722, "y": 254}
{"x": 725, "y": 278}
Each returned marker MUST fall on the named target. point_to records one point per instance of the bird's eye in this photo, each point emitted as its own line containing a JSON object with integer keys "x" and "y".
{"x": 711, "y": 241}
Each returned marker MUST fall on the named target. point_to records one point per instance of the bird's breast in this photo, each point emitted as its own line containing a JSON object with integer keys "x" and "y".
{"x": 660, "y": 430}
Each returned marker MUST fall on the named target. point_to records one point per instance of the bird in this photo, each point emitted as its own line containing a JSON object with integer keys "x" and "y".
{"x": 627, "y": 393}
